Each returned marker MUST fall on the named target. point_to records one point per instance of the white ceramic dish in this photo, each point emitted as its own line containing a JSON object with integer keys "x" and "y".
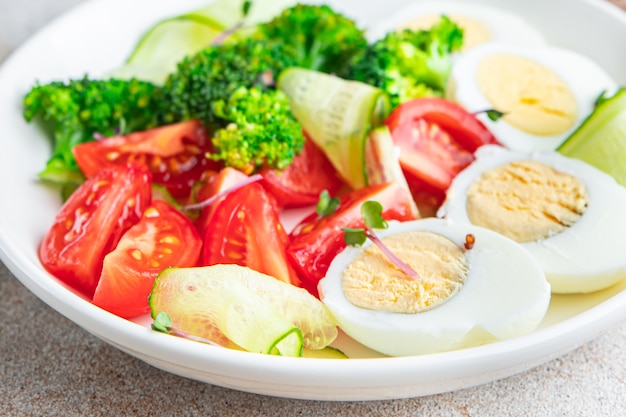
{"x": 95, "y": 38}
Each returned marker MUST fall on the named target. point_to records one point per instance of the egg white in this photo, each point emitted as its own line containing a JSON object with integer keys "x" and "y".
{"x": 591, "y": 254}
{"x": 504, "y": 26}
{"x": 586, "y": 80}
{"x": 505, "y": 295}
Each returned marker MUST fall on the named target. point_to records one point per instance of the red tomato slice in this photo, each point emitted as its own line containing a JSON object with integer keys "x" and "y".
{"x": 317, "y": 240}
{"x": 437, "y": 139}
{"x": 245, "y": 230}
{"x": 222, "y": 181}
{"x": 301, "y": 183}
{"x": 91, "y": 223}
{"x": 163, "y": 237}
{"x": 175, "y": 154}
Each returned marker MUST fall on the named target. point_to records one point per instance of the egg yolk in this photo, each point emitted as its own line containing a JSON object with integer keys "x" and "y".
{"x": 526, "y": 201}
{"x": 474, "y": 31}
{"x": 534, "y": 99}
{"x": 372, "y": 282}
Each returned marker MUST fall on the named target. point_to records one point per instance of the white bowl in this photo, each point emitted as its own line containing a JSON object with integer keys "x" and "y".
{"x": 69, "y": 47}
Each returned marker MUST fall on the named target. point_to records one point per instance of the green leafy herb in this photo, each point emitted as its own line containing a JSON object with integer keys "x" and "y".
{"x": 493, "y": 114}
{"x": 326, "y": 205}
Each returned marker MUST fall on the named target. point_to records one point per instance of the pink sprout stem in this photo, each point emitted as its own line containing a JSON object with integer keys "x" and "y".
{"x": 389, "y": 254}
{"x": 213, "y": 199}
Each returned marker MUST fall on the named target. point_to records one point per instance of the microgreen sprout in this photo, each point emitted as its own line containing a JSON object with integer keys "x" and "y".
{"x": 245, "y": 10}
{"x": 214, "y": 198}
{"x": 493, "y": 114}
{"x": 163, "y": 323}
{"x": 326, "y": 205}
{"x": 371, "y": 213}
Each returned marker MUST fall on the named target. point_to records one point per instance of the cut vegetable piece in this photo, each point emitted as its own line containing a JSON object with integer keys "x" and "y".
{"x": 382, "y": 160}
{"x": 170, "y": 40}
{"x": 338, "y": 115}
{"x": 252, "y": 310}
{"x": 326, "y": 353}
{"x": 601, "y": 139}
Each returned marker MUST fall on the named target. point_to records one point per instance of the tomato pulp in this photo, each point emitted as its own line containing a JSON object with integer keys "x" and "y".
{"x": 175, "y": 154}
{"x": 437, "y": 139}
{"x": 301, "y": 183}
{"x": 162, "y": 238}
{"x": 91, "y": 223}
{"x": 245, "y": 230}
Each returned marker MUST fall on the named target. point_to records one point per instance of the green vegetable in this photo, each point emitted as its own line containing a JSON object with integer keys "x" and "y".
{"x": 601, "y": 139}
{"x": 217, "y": 71}
{"x": 317, "y": 37}
{"x": 261, "y": 131}
{"x": 410, "y": 64}
{"x": 170, "y": 40}
{"x": 326, "y": 353}
{"x": 338, "y": 115}
{"x": 326, "y": 205}
{"x": 77, "y": 110}
{"x": 254, "y": 311}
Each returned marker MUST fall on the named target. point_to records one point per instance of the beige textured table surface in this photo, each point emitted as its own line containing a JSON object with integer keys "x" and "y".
{"x": 51, "y": 367}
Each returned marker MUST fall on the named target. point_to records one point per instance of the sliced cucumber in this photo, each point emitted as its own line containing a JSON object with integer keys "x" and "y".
{"x": 601, "y": 139}
{"x": 254, "y": 311}
{"x": 167, "y": 42}
{"x": 338, "y": 115}
{"x": 326, "y": 353}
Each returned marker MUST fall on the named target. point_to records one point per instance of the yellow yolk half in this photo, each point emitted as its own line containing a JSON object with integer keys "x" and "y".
{"x": 566, "y": 213}
{"x": 371, "y": 281}
{"x": 499, "y": 290}
{"x": 533, "y": 98}
{"x": 526, "y": 201}
{"x": 474, "y": 31}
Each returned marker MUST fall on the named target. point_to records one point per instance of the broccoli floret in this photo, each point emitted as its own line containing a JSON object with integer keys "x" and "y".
{"x": 410, "y": 64}
{"x": 261, "y": 131}
{"x": 318, "y": 37}
{"x": 77, "y": 110}
{"x": 217, "y": 71}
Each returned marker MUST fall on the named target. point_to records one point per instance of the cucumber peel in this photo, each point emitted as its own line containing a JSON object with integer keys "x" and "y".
{"x": 167, "y": 42}
{"x": 601, "y": 139}
{"x": 338, "y": 115}
{"x": 231, "y": 304}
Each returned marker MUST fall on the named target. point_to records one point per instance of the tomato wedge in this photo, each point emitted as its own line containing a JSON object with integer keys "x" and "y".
{"x": 163, "y": 237}
{"x": 91, "y": 223}
{"x": 301, "y": 183}
{"x": 245, "y": 230}
{"x": 175, "y": 154}
{"x": 437, "y": 139}
{"x": 220, "y": 182}
{"x": 316, "y": 241}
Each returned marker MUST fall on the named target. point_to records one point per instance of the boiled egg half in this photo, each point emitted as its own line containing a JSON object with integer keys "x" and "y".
{"x": 567, "y": 214}
{"x": 480, "y": 23}
{"x": 461, "y": 298}
{"x": 545, "y": 92}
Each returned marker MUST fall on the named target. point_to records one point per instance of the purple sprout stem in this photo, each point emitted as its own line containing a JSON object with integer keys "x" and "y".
{"x": 389, "y": 254}
{"x": 213, "y": 199}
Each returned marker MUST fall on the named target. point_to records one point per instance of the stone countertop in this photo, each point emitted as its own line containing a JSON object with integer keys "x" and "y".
{"x": 51, "y": 367}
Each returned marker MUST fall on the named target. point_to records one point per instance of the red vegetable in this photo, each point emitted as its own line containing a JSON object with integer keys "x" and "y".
{"x": 437, "y": 139}
{"x": 91, "y": 223}
{"x": 301, "y": 183}
{"x": 162, "y": 238}
{"x": 175, "y": 154}
{"x": 245, "y": 230}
